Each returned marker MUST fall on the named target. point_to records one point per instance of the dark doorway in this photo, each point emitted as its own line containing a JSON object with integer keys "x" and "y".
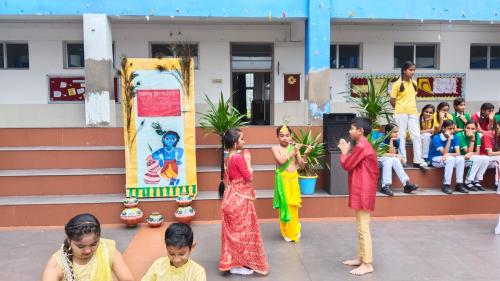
{"x": 251, "y": 66}
{"x": 251, "y": 93}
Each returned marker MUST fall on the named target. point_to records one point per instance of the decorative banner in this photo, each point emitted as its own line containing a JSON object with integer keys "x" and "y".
{"x": 291, "y": 87}
{"x": 430, "y": 86}
{"x": 159, "y": 127}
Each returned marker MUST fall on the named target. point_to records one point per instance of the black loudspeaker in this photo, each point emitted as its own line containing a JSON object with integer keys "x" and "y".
{"x": 335, "y": 127}
{"x": 337, "y": 180}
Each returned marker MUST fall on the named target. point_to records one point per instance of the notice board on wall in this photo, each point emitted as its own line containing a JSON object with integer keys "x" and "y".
{"x": 430, "y": 86}
{"x": 71, "y": 89}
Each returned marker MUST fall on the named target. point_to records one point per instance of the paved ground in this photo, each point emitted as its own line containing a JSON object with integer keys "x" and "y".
{"x": 444, "y": 248}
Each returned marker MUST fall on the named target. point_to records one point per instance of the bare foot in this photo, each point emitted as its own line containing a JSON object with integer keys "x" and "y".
{"x": 363, "y": 269}
{"x": 353, "y": 262}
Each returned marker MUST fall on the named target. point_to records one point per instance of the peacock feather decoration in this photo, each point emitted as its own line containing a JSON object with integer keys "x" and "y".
{"x": 158, "y": 129}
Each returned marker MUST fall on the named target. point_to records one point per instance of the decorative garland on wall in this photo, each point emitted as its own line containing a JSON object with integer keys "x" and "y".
{"x": 430, "y": 86}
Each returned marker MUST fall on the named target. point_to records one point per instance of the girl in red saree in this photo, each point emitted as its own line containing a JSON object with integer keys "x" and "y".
{"x": 242, "y": 250}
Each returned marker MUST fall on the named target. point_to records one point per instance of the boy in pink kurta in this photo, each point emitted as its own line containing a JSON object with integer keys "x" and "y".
{"x": 361, "y": 164}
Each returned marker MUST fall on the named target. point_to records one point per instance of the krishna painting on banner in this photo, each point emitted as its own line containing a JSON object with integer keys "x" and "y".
{"x": 160, "y": 140}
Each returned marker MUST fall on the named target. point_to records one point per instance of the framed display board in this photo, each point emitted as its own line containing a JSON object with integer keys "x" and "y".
{"x": 430, "y": 86}
{"x": 71, "y": 89}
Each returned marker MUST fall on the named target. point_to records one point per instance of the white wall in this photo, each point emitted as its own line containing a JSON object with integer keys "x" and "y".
{"x": 24, "y": 93}
{"x": 132, "y": 39}
{"x": 454, "y": 42}
{"x": 29, "y": 86}
{"x": 290, "y": 56}
{"x": 214, "y": 47}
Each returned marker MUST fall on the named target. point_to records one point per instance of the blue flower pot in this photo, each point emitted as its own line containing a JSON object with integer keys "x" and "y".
{"x": 307, "y": 184}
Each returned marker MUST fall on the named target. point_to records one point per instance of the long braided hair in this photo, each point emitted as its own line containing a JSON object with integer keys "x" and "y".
{"x": 229, "y": 139}
{"x": 405, "y": 66}
{"x": 75, "y": 228}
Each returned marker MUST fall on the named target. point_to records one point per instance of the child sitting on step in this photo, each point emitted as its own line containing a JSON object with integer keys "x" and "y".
{"x": 442, "y": 114}
{"x": 426, "y": 129}
{"x": 177, "y": 265}
{"x": 485, "y": 118}
{"x": 470, "y": 145}
{"x": 460, "y": 117}
{"x": 490, "y": 146}
{"x": 393, "y": 161}
{"x": 445, "y": 152}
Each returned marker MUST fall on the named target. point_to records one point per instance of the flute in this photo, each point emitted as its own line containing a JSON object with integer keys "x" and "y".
{"x": 300, "y": 145}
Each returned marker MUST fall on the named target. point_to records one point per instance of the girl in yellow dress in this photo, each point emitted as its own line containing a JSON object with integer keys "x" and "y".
{"x": 286, "y": 184}
{"x": 85, "y": 256}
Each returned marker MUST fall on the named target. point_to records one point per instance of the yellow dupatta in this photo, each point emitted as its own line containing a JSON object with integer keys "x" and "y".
{"x": 97, "y": 269}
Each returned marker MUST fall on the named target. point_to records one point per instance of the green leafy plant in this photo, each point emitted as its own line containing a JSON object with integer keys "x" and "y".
{"x": 373, "y": 103}
{"x": 377, "y": 139}
{"x": 219, "y": 118}
{"x": 316, "y": 155}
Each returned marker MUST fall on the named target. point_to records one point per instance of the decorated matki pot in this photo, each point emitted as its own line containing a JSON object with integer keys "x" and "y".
{"x": 155, "y": 219}
{"x": 152, "y": 176}
{"x": 130, "y": 202}
{"x": 184, "y": 214}
{"x": 184, "y": 199}
{"x": 131, "y": 216}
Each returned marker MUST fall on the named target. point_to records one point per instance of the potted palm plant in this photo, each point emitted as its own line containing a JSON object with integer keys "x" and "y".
{"x": 308, "y": 174}
{"x": 217, "y": 120}
{"x": 376, "y": 139}
{"x": 373, "y": 102}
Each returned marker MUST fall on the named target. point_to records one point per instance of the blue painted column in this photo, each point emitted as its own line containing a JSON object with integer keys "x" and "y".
{"x": 318, "y": 36}
{"x": 317, "y": 56}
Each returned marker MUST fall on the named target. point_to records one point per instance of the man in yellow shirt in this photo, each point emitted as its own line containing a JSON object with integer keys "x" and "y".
{"x": 176, "y": 266}
{"x": 404, "y": 101}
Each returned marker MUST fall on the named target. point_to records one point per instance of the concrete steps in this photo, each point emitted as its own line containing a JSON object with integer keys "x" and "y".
{"x": 74, "y": 157}
{"x": 433, "y": 178}
{"x": 47, "y": 175}
{"x": 106, "y": 180}
{"x": 55, "y": 210}
{"x": 114, "y": 136}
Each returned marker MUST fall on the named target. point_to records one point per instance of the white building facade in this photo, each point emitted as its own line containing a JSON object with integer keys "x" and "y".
{"x": 24, "y": 91}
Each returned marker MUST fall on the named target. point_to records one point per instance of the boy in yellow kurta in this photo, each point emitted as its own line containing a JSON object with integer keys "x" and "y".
{"x": 176, "y": 266}
{"x": 286, "y": 190}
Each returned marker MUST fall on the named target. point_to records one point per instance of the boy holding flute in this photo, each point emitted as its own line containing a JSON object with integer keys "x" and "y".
{"x": 286, "y": 183}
